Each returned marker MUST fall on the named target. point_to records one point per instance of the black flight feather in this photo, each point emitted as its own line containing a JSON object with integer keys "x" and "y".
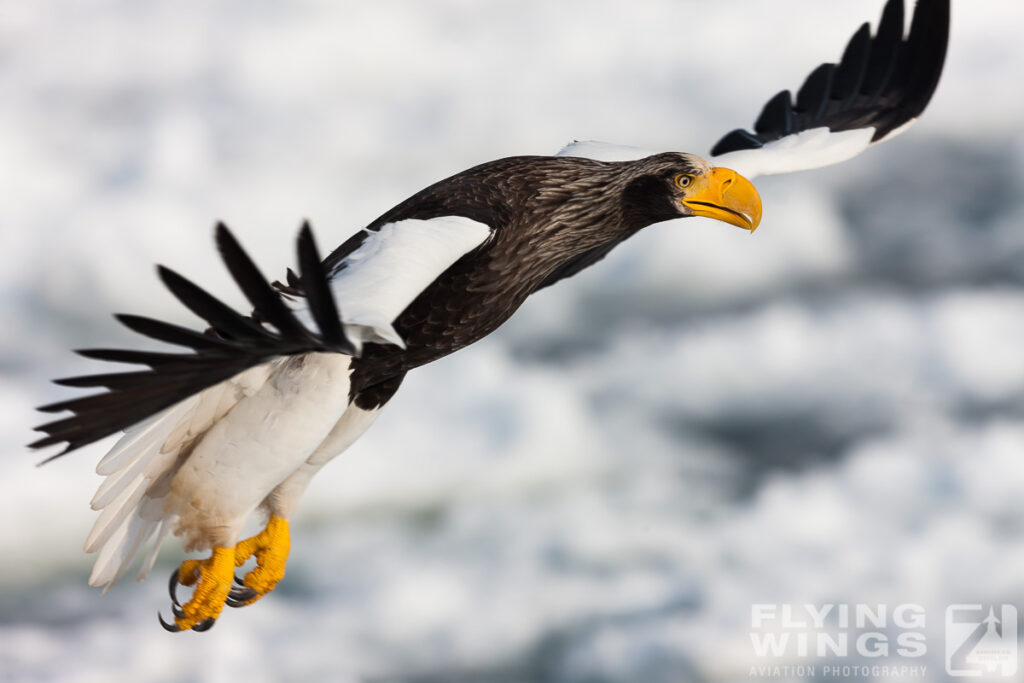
{"x": 850, "y": 73}
{"x": 315, "y": 284}
{"x": 170, "y": 333}
{"x": 776, "y": 119}
{"x": 266, "y": 302}
{"x": 227, "y": 322}
{"x": 233, "y": 344}
{"x": 881, "y": 82}
{"x": 884, "y": 51}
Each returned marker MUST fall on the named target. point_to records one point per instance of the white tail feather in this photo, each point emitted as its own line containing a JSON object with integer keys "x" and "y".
{"x": 114, "y": 515}
{"x": 138, "y": 533}
{"x": 131, "y": 514}
{"x": 110, "y": 563}
{"x": 112, "y": 486}
{"x": 115, "y": 484}
{"x": 165, "y": 527}
{"x": 102, "y": 569}
{"x": 153, "y": 429}
{"x": 179, "y": 435}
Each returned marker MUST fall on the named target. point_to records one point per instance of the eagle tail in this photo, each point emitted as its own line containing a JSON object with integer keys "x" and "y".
{"x": 133, "y": 498}
{"x": 129, "y": 516}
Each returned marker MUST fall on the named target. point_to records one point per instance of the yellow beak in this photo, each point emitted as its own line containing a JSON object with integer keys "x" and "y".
{"x": 725, "y": 195}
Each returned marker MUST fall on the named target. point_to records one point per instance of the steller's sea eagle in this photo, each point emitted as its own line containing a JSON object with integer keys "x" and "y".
{"x": 249, "y": 412}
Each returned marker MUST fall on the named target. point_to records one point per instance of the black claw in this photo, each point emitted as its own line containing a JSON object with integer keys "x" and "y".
{"x": 239, "y": 581}
{"x": 204, "y": 625}
{"x": 172, "y": 588}
{"x": 240, "y": 597}
{"x": 173, "y": 628}
{"x": 244, "y": 593}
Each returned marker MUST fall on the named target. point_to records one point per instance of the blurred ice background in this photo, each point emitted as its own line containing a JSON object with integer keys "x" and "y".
{"x": 831, "y": 411}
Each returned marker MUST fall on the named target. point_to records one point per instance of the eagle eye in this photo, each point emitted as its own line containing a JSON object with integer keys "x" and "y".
{"x": 684, "y": 180}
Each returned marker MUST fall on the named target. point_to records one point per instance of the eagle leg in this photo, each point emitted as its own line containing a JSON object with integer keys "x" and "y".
{"x": 270, "y": 547}
{"x": 212, "y": 580}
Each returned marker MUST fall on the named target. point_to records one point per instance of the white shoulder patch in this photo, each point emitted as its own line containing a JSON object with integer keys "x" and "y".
{"x": 808, "y": 149}
{"x": 392, "y": 266}
{"x": 798, "y": 152}
{"x": 603, "y": 151}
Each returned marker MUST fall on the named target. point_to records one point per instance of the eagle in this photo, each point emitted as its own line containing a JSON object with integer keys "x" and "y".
{"x": 237, "y": 419}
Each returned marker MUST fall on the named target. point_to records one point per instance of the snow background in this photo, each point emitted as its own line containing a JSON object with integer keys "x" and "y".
{"x": 830, "y": 411}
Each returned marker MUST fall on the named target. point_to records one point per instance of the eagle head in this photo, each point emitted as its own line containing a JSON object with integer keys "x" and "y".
{"x": 672, "y": 185}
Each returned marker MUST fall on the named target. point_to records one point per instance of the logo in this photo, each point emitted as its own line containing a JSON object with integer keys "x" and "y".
{"x": 838, "y": 641}
{"x": 981, "y": 640}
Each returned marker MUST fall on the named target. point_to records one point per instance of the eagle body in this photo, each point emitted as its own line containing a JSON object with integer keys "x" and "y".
{"x": 242, "y": 416}
{"x": 263, "y": 434}
{"x": 542, "y": 213}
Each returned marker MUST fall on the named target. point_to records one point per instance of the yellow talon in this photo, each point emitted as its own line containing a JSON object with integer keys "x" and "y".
{"x": 270, "y": 547}
{"x": 212, "y": 578}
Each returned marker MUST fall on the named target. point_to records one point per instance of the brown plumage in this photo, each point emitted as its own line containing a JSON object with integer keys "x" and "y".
{"x": 545, "y": 212}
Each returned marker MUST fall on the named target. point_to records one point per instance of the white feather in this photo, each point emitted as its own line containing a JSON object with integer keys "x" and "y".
{"x": 256, "y": 446}
{"x": 154, "y": 429}
{"x": 111, "y": 562}
{"x": 200, "y": 467}
{"x": 180, "y": 433}
{"x": 115, "y": 484}
{"x": 130, "y": 512}
{"x": 139, "y": 532}
{"x": 392, "y": 266}
{"x": 353, "y": 423}
{"x": 114, "y": 515}
{"x": 808, "y": 149}
{"x": 603, "y": 151}
{"x": 105, "y": 566}
{"x": 163, "y": 529}
{"x": 282, "y": 500}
